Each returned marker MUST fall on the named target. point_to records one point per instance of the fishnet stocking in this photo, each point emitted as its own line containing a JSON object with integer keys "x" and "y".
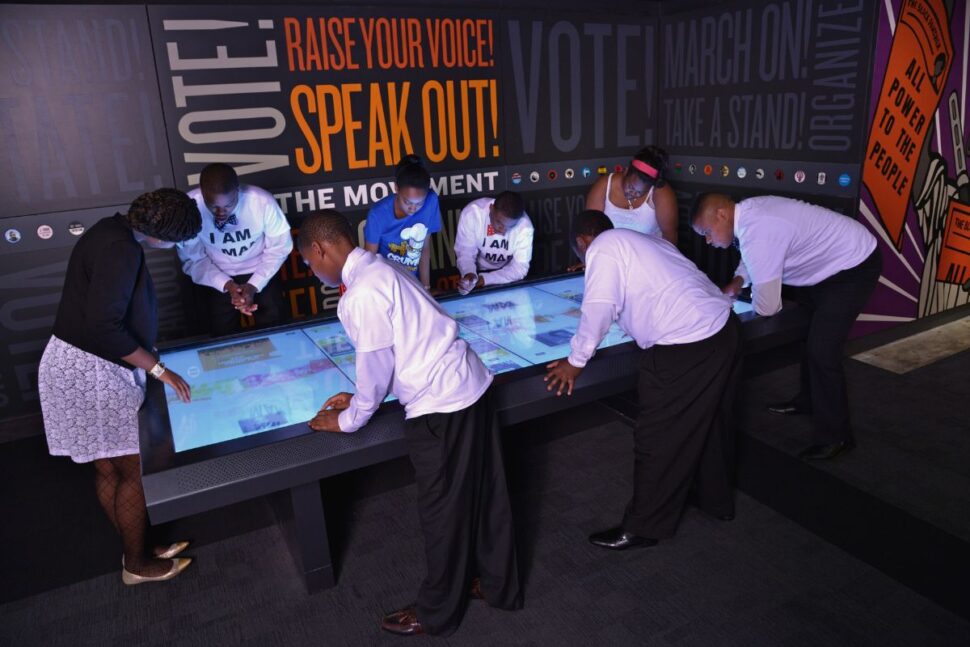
{"x": 106, "y": 484}
{"x": 118, "y": 484}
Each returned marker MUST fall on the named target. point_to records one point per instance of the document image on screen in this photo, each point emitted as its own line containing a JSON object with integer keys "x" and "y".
{"x": 243, "y": 388}
{"x": 531, "y": 323}
{"x": 496, "y": 358}
{"x": 334, "y": 342}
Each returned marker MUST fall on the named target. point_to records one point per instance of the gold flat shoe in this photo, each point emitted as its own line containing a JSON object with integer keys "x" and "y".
{"x": 170, "y": 551}
{"x": 179, "y": 564}
{"x": 173, "y": 550}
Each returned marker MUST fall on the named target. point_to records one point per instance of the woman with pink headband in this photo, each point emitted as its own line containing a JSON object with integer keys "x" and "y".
{"x": 639, "y": 199}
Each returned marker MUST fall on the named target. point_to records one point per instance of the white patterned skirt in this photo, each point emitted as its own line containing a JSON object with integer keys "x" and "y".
{"x": 90, "y": 405}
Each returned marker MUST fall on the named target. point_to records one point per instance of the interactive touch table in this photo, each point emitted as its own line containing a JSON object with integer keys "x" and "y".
{"x": 245, "y": 435}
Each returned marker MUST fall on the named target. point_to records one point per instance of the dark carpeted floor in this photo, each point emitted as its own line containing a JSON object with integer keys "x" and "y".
{"x": 900, "y": 502}
{"x": 913, "y": 433}
{"x": 759, "y": 580}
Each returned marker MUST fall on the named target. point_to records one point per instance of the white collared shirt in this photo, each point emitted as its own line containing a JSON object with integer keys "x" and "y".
{"x": 787, "y": 241}
{"x": 497, "y": 258}
{"x": 645, "y": 285}
{"x": 405, "y": 343}
{"x": 257, "y": 244}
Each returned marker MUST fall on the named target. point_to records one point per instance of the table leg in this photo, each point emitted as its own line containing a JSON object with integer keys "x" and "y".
{"x": 300, "y": 514}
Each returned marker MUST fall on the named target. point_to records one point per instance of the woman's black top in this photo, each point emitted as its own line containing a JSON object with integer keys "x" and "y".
{"x": 108, "y": 305}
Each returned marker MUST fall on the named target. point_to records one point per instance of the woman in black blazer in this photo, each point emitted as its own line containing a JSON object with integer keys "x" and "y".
{"x": 93, "y": 371}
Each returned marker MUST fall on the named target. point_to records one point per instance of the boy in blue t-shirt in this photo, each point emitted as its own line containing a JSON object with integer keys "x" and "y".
{"x": 398, "y": 226}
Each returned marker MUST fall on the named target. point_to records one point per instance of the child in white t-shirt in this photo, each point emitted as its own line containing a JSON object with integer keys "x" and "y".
{"x": 493, "y": 244}
{"x": 236, "y": 258}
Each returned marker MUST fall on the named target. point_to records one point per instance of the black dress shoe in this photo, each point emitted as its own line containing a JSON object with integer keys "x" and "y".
{"x": 790, "y": 408}
{"x": 720, "y": 516}
{"x": 403, "y": 623}
{"x": 619, "y": 539}
{"x": 825, "y": 452}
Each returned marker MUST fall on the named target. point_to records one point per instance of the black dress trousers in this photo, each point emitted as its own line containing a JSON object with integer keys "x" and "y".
{"x": 684, "y": 434}
{"x": 836, "y": 303}
{"x": 466, "y": 517}
{"x": 224, "y": 319}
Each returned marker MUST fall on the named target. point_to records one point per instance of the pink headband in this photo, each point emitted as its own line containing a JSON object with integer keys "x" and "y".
{"x": 645, "y": 168}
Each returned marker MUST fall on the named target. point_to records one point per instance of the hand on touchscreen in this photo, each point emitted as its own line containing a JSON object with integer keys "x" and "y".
{"x": 326, "y": 420}
{"x": 563, "y": 374}
{"x": 733, "y": 289}
{"x": 179, "y": 385}
{"x": 338, "y": 402}
{"x": 467, "y": 283}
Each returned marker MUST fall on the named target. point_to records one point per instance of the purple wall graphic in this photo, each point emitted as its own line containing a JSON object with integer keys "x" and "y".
{"x": 911, "y": 287}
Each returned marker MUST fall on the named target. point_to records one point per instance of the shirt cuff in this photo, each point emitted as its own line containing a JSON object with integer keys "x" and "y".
{"x": 467, "y": 269}
{"x": 742, "y": 271}
{"x": 346, "y": 419}
{"x": 766, "y": 298}
{"x": 593, "y": 325}
{"x": 577, "y": 360}
{"x": 258, "y": 281}
{"x": 218, "y": 282}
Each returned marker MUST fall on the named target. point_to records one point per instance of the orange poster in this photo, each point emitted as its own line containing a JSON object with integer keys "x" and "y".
{"x": 916, "y": 73}
{"x": 955, "y": 255}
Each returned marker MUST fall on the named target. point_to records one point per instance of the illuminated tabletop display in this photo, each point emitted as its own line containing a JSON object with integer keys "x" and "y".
{"x": 244, "y": 435}
{"x": 272, "y": 380}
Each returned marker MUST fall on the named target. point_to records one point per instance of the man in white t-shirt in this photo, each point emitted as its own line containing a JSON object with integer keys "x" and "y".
{"x": 235, "y": 258}
{"x": 406, "y": 343}
{"x": 837, "y": 262}
{"x": 493, "y": 244}
{"x": 689, "y": 369}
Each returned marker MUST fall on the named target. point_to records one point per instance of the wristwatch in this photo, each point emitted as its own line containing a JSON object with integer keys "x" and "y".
{"x": 157, "y": 370}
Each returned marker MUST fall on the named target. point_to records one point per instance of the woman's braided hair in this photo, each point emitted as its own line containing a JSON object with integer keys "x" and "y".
{"x": 166, "y": 214}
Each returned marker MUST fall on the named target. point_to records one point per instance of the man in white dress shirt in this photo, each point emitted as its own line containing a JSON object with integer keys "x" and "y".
{"x": 837, "y": 262}
{"x": 493, "y": 244}
{"x": 688, "y": 372}
{"x": 406, "y": 343}
{"x": 235, "y": 258}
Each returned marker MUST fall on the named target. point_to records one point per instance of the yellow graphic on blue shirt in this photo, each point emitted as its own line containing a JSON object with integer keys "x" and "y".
{"x": 408, "y": 251}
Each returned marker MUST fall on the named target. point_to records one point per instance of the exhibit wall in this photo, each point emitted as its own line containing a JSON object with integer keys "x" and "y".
{"x": 916, "y": 193}
{"x": 764, "y": 98}
{"x": 313, "y": 103}
{"x": 316, "y": 103}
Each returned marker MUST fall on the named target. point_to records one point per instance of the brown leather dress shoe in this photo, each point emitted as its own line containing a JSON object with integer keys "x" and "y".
{"x": 826, "y": 452}
{"x": 403, "y": 622}
{"x": 475, "y": 592}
